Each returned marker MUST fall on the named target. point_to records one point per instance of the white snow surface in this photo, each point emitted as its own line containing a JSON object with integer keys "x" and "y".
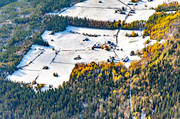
{"x": 92, "y": 9}
{"x": 140, "y": 15}
{"x": 105, "y": 11}
{"x": 104, "y": 4}
{"x": 101, "y": 14}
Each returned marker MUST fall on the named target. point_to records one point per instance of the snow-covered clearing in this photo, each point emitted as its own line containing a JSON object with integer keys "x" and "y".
{"x": 101, "y": 14}
{"x": 129, "y": 44}
{"x": 117, "y": 4}
{"x": 104, "y": 10}
{"x": 73, "y": 37}
{"x": 102, "y": 3}
{"x": 140, "y": 15}
{"x": 70, "y": 44}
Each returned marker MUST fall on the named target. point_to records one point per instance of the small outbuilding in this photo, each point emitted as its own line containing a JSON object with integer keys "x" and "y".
{"x": 55, "y": 74}
{"x": 77, "y": 58}
{"x": 45, "y": 67}
{"x": 126, "y": 59}
{"x": 86, "y": 39}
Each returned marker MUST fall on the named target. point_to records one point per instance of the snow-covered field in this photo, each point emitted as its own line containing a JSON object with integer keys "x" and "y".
{"x": 70, "y": 44}
{"x": 73, "y": 37}
{"x": 118, "y": 4}
{"x": 140, "y": 15}
{"x": 102, "y": 14}
{"x": 102, "y": 3}
{"x": 105, "y": 9}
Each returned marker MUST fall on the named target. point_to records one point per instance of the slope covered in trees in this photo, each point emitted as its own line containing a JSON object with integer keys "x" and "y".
{"x": 5, "y": 2}
{"x": 90, "y": 93}
{"x": 173, "y": 6}
{"x": 155, "y": 89}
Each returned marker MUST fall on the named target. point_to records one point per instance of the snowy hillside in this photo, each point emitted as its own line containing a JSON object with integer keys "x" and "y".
{"x": 53, "y": 65}
{"x": 105, "y": 9}
{"x": 70, "y": 45}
